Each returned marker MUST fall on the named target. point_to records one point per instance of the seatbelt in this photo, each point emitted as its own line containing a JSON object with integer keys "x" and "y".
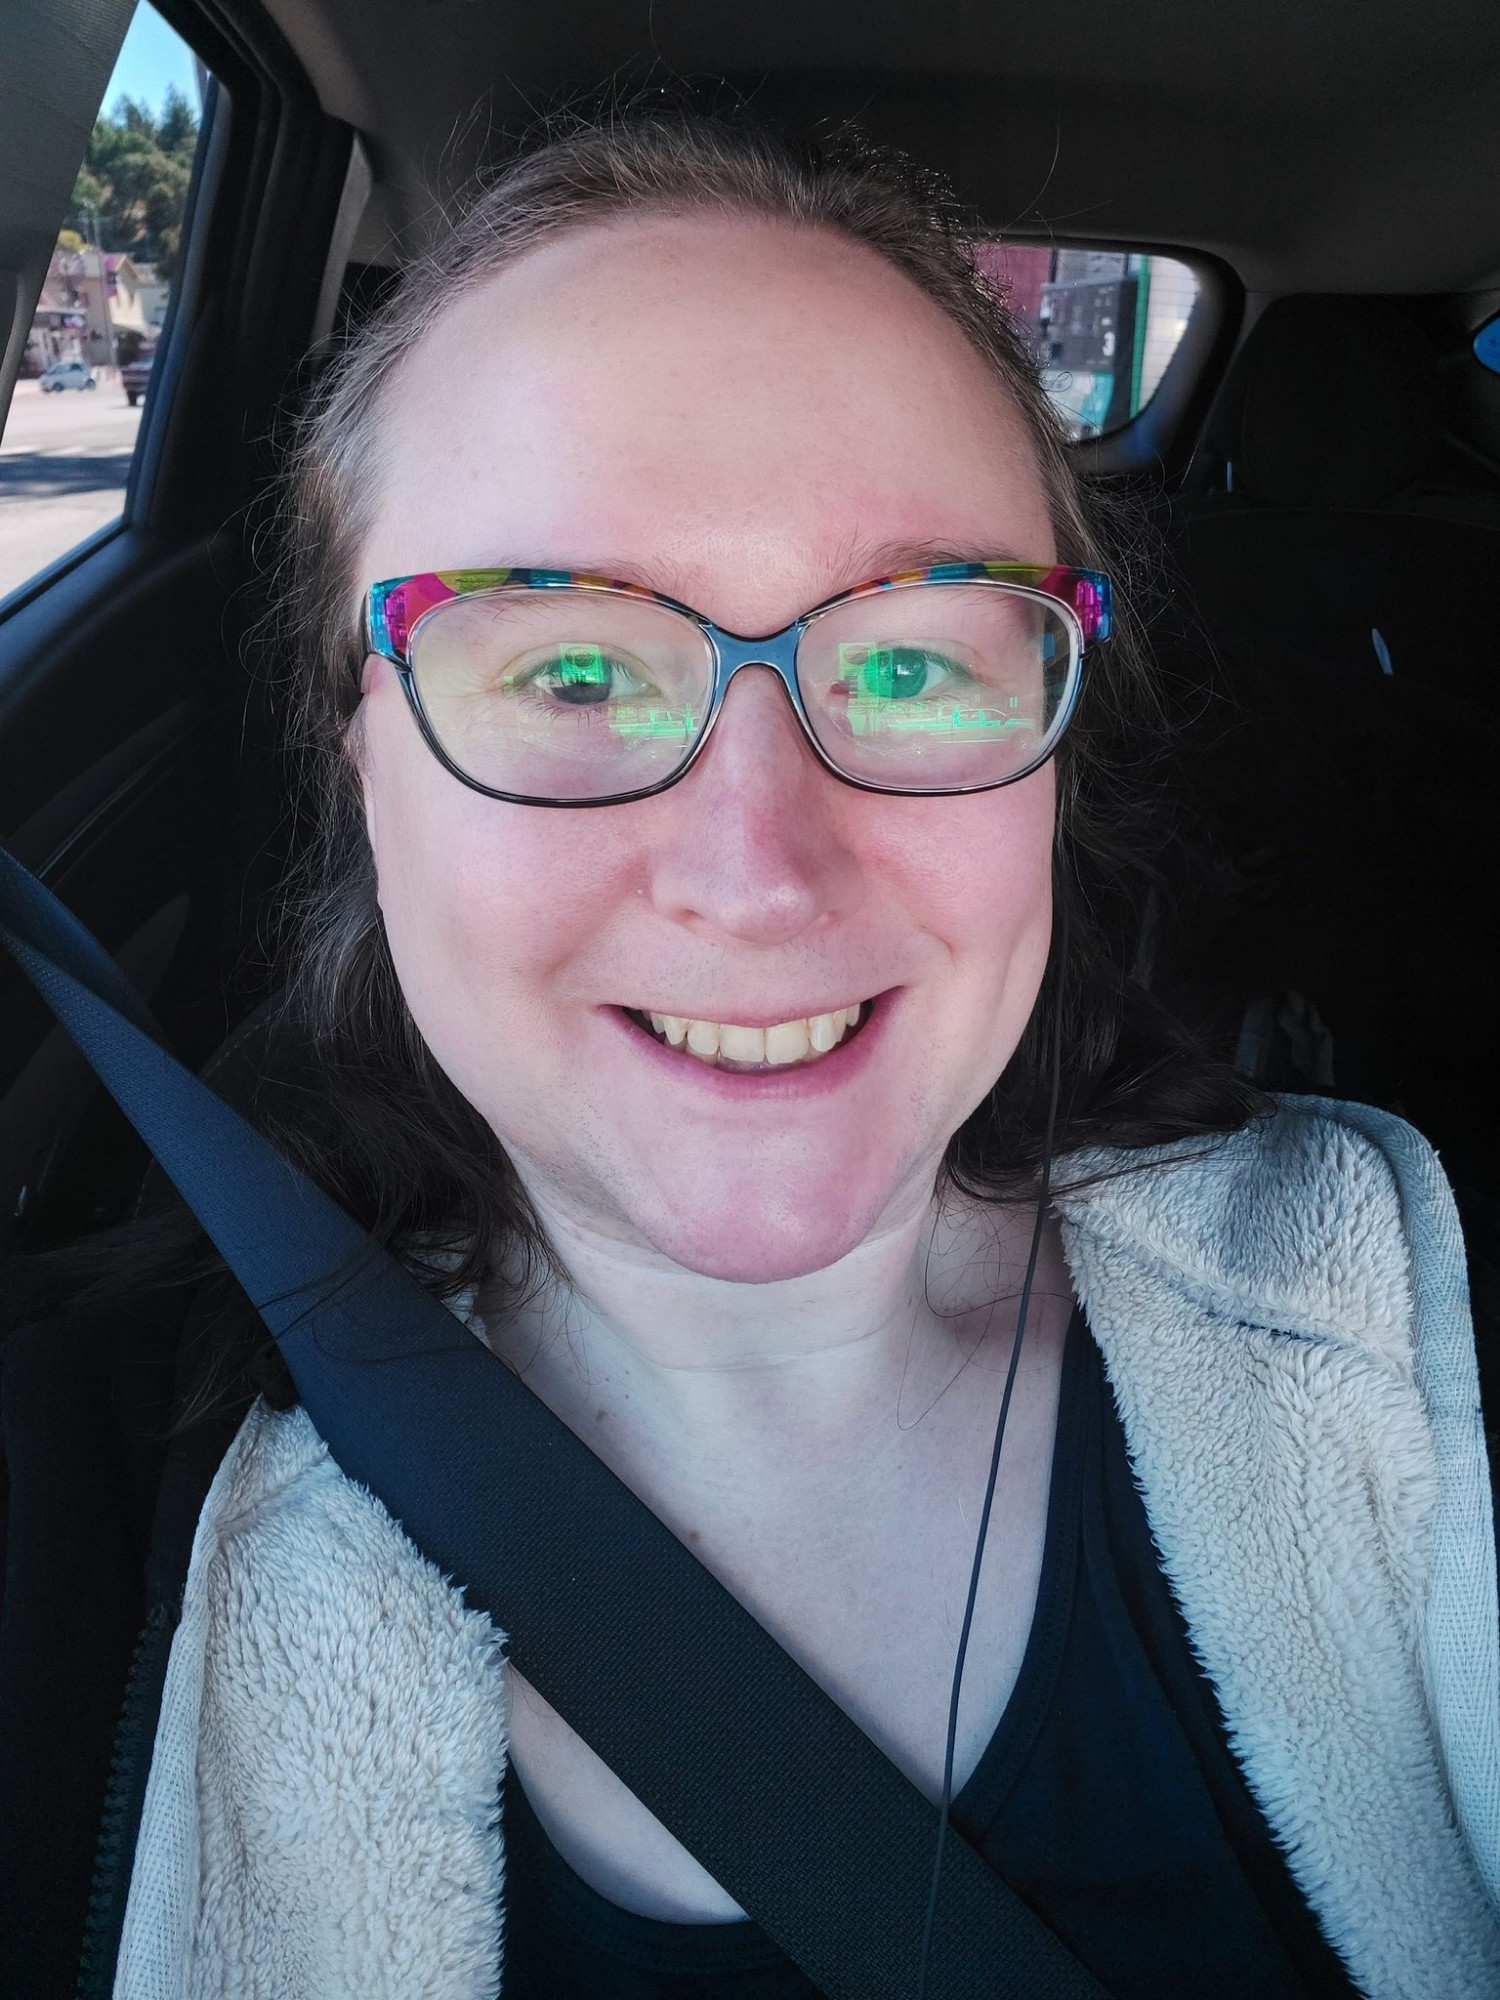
{"x": 714, "y": 1727}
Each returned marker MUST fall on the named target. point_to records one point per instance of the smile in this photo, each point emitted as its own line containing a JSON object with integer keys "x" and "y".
{"x": 727, "y": 1045}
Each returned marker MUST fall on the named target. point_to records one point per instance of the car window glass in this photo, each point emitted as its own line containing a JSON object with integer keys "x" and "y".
{"x": 71, "y": 431}
{"x": 1105, "y": 324}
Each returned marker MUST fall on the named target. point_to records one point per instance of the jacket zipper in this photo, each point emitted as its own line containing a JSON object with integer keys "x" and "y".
{"x": 124, "y": 1796}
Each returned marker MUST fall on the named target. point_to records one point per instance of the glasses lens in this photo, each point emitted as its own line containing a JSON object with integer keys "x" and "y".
{"x": 562, "y": 694}
{"x": 939, "y": 685}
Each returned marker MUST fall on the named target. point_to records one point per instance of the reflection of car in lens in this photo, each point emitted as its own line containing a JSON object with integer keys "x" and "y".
{"x": 67, "y": 375}
{"x": 135, "y": 375}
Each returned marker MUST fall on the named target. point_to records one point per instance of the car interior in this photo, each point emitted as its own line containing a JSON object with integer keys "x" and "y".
{"x": 1320, "y": 460}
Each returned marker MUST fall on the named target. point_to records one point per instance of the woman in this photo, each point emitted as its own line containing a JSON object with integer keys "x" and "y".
{"x": 657, "y": 987}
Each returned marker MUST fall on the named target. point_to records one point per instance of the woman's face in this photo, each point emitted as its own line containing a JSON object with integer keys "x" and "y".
{"x": 750, "y": 418}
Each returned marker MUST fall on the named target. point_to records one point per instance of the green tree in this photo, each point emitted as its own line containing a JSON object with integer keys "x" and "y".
{"x": 132, "y": 187}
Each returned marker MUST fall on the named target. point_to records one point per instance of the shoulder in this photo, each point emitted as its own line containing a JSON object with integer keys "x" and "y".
{"x": 86, "y": 1403}
{"x": 1283, "y": 1314}
{"x": 102, "y": 1470}
{"x": 1325, "y": 1219}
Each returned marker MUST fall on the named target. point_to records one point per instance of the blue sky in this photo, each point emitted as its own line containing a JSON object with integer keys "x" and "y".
{"x": 152, "y": 56}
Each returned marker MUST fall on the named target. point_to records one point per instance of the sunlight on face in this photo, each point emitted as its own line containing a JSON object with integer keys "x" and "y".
{"x": 749, "y": 417}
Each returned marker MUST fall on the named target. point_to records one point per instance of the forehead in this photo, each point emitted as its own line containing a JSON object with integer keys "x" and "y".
{"x": 718, "y": 405}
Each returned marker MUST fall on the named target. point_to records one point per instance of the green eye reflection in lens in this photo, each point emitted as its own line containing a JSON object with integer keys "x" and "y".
{"x": 901, "y": 690}
{"x": 892, "y": 673}
{"x": 582, "y": 676}
{"x": 586, "y": 677}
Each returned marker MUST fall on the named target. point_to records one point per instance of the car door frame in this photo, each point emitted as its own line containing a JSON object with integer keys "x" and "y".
{"x": 136, "y": 743}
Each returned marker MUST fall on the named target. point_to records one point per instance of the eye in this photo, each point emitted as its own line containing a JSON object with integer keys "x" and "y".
{"x": 896, "y": 673}
{"x": 582, "y": 676}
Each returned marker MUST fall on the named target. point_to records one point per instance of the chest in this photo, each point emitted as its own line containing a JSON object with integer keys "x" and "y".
{"x": 868, "y": 1594}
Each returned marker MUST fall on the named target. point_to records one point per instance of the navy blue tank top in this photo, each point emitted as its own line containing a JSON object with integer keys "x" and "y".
{"x": 1108, "y": 1797}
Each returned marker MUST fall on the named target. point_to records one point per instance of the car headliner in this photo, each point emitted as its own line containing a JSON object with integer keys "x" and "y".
{"x": 1330, "y": 145}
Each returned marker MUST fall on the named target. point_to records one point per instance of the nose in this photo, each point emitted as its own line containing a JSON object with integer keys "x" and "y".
{"x": 757, "y": 847}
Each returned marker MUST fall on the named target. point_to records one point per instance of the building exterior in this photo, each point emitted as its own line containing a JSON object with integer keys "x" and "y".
{"x": 89, "y": 301}
{"x": 155, "y": 294}
{"x": 1104, "y": 324}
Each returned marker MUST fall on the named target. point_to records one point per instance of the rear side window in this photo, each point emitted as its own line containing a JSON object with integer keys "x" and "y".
{"x": 1104, "y": 323}
{"x": 70, "y": 435}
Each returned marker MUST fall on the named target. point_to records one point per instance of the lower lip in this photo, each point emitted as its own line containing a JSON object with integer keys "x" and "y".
{"x": 770, "y": 1086}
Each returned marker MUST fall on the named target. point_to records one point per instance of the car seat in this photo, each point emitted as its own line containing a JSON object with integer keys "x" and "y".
{"x": 1346, "y": 780}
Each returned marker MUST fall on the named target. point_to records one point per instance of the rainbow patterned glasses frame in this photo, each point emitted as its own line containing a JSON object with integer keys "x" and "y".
{"x": 556, "y": 688}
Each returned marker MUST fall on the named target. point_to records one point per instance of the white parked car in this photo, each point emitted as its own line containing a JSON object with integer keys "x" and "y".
{"x": 68, "y": 375}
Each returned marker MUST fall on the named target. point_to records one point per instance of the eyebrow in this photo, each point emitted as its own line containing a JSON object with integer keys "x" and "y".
{"x": 890, "y": 558}
{"x": 861, "y": 562}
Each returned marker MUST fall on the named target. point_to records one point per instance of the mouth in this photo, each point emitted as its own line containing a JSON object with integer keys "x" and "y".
{"x": 783, "y": 1045}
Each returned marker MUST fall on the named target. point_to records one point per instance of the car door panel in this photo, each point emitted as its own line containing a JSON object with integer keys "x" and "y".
{"x": 137, "y": 760}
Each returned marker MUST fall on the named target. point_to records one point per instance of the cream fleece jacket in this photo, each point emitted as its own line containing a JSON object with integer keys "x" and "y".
{"x": 1284, "y": 1321}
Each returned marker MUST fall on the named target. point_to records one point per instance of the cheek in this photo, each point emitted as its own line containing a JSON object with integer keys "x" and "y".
{"x": 483, "y": 902}
{"x": 979, "y": 871}
{"x": 979, "y": 881}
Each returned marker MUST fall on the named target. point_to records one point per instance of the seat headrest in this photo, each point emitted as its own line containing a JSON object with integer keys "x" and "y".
{"x": 1342, "y": 403}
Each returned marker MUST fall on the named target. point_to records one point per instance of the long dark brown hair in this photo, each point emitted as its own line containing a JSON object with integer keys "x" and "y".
{"x": 368, "y": 1113}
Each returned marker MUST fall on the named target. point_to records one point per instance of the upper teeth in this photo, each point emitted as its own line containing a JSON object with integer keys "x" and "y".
{"x": 786, "y": 1042}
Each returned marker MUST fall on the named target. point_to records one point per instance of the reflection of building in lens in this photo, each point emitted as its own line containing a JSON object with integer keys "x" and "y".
{"x": 630, "y": 722}
{"x": 959, "y": 725}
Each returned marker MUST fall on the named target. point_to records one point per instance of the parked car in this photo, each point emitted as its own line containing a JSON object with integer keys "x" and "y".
{"x": 67, "y": 375}
{"x": 135, "y": 375}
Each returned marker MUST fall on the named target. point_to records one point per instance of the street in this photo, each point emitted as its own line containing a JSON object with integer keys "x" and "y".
{"x": 63, "y": 465}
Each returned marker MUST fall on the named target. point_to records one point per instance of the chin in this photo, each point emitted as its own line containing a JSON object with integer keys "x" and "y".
{"x": 745, "y": 1242}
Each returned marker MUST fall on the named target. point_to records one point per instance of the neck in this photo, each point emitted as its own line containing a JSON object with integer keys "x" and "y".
{"x": 629, "y": 1338}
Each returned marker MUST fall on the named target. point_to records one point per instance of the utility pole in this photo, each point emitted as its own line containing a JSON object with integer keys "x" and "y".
{"x": 109, "y": 325}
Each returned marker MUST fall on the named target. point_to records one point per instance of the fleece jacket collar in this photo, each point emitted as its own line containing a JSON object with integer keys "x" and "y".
{"x": 1285, "y": 1326}
{"x": 1282, "y": 1318}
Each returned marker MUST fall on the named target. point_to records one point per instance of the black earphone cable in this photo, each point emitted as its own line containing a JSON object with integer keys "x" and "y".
{"x": 1044, "y": 1188}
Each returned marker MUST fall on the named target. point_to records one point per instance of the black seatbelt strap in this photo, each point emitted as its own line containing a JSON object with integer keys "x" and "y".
{"x": 713, "y": 1726}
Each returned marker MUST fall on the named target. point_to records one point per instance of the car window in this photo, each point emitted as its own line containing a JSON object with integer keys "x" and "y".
{"x": 1105, "y": 324}
{"x": 74, "y": 418}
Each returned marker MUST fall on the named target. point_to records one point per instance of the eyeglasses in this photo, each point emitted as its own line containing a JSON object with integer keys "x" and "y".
{"x": 550, "y": 688}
